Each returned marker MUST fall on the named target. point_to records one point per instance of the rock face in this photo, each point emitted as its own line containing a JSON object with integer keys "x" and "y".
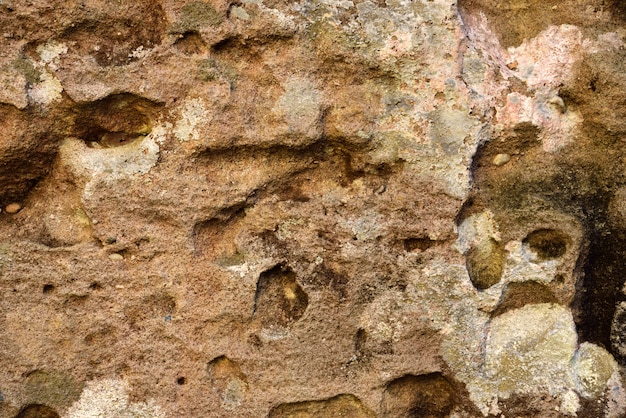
{"x": 315, "y": 208}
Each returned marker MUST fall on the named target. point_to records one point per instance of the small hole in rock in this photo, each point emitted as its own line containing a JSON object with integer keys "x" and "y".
{"x": 37, "y": 411}
{"x": 517, "y": 295}
{"x": 548, "y": 244}
{"x": 360, "y": 341}
{"x": 255, "y": 341}
{"x": 279, "y": 299}
{"x": 181, "y": 381}
{"x": 421, "y": 244}
{"x": 344, "y": 405}
{"x": 48, "y": 288}
{"x": 112, "y": 139}
{"x": 191, "y": 43}
{"x": 485, "y": 263}
{"x": 428, "y": 395}
{"x": 115, "y": 120}
{"x": 95, "y": 286}
{"x": 222, "y": 371}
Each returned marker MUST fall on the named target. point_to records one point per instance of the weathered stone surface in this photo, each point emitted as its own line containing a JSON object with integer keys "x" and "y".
{"x": 322, "y": 208}
{"x": 594, "y": 369}
{"x": 418, "y": 396}
{"x": 531, "y": 348}
{"x": 339, "y": 406}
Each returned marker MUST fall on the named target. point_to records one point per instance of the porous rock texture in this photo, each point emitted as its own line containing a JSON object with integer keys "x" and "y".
{"x": 312, "y": 208}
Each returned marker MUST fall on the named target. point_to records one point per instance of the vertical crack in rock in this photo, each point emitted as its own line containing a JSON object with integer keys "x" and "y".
{"x": 600, "y": 317}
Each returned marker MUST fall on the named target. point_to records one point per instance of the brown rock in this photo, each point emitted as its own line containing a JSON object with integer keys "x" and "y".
{"x": 286, "y": 184}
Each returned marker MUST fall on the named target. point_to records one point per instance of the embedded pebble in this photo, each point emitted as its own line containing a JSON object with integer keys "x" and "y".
{"x": 13, "y": 208}
{"x": 593, "y": 367}
{"x": 485, "y": 262}
{"x": 501, "y": 159}
{"x": 240, "y": 13}
{"x": 116, "y": 256}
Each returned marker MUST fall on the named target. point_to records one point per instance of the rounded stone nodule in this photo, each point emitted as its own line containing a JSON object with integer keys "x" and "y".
{"x": 485, "y": 263}
{"x": 593, "y": 367}
{"x": 13, "y": 208}
{"x": 501, "y": 159}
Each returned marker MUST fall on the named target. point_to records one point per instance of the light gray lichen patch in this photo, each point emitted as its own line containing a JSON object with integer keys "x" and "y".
{"x": 300, "y": 106}
{"x": 109, "y": 398}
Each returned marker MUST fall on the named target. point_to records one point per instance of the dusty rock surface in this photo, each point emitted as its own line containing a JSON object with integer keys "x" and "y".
{"x": 315, "y": 208}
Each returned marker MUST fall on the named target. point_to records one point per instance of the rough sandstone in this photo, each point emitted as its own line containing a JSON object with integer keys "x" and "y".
{"x": 315, "y": 208}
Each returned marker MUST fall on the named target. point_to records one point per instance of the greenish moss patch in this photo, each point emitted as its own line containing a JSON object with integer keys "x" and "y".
{"x": 26, "y": 67}
{"x": 196, "y": 15}
{"x": 52, "y": 388}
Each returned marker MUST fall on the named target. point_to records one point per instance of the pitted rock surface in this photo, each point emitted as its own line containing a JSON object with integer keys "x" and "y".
{"x": 316, "y": 208}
